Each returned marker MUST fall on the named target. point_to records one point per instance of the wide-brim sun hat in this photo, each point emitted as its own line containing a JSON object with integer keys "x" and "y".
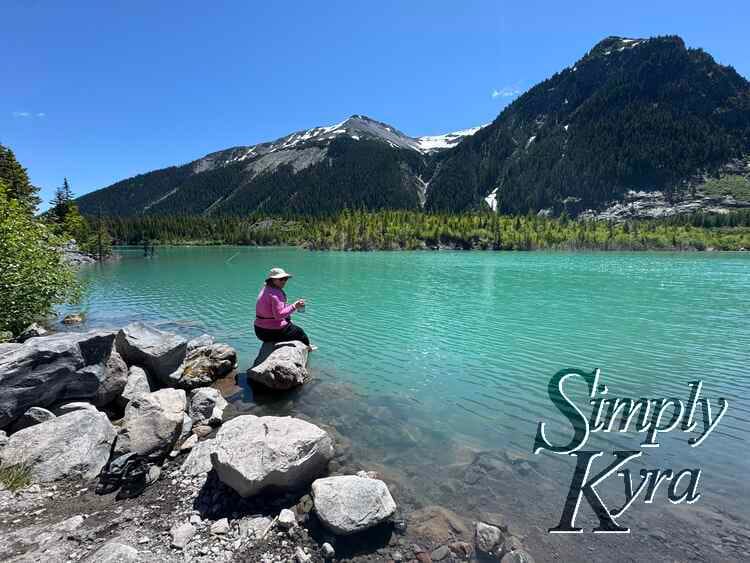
{"x": 277, "y": 274}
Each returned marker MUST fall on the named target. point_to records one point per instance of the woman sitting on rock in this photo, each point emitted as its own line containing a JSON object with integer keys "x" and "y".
{"x": 272, "y": 314}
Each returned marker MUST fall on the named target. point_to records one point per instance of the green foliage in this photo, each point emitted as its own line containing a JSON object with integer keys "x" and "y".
{"x": 398, "y": 229}
{"x": 731, "y": 184}
{"x": 15, "y": 477}
{"x": 33, "y": 274}
{"x": 17, "y": 181}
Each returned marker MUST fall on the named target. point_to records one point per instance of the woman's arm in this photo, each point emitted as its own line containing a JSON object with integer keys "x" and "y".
{"x": 279, "y": 309}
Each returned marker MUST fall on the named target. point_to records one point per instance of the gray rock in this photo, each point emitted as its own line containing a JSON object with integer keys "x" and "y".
{"x": 187, "y": 428}
{"x": 287, "y": 519}
{"x": 35, "y": 415}
{"x": 220, "y": 527}
{"x": 161, "y": 353}
{"x": 200, "y": 342}
{"x": 207, "y": 406}
{"x": 52, "y": 369}
{"x": 440, "y": 553}
{"x": 182, "y": 534}
{"x": 199, "y": 459}
{"x": 488, "y": 538}
{"x": 115, "y": 379}
{"x": 152, "y": 423}
{"x": 114, "y": 552}
{"x": 255, "y": 527}
{"x": 518, "y": 556}
{"x": 188, "y": 444}
{"x": 280, "y": 366}
{"x": 154, "y": 472}
{"x": 347, "y": 503}
{"x": 300, "y": 556}
{"x": 253, "y": 453}
{"x": 73, "y": 445}
{"x": 203, "y": 366}
{"x": 34, "y": 330}
{"x": 138, "y": 382}
{"x": 66, "y": 408}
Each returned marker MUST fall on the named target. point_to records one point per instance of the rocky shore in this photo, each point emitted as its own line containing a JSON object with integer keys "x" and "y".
{"x": 116, "y": 445}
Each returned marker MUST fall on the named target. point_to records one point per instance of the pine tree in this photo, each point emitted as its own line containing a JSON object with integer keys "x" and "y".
{"x": 17, "y": 182}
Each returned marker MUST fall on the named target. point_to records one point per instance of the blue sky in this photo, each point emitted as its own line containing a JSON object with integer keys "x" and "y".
{"x": 99, "y": 90}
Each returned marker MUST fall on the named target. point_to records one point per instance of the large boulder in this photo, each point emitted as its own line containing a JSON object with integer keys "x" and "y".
{"x": 73, "y": 445}
{"x": 50, "y": 369}
{"x": 347, "y": 504}
{"x": 280, "y": 365}
{"x": 207, "y": 406}
{"x": 115, "y": 379}
{"x": 152, "y": 423}
{"x": 114, "y": 552}
{"x": 252, "y": 453}
{"x": 159, "y": 352}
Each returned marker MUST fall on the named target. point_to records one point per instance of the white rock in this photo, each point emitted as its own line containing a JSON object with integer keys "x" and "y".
{"x": 327, "y": 550}
{"x": 152, "y": 423}
{"x": 287, "y": 519}
{"x": 253, "y": 453}
{"x": 347, "y": 504}
{"x": 181, "y": 534}
{"x": 300, "y": 556}
{"x": 66, "y": 408}
{"x": 488, "y": 538}
{"x": 73, "y": 445}
{"x": 220, "y": 527}
{"x": 255, "y": 526}
{"x": 114, "y": 552}
{"x": 199, "y": 459}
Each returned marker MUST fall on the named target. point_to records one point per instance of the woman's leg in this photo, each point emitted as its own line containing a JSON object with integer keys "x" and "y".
{"x": 294, "y": 332}
{"x": 269, "y": 335}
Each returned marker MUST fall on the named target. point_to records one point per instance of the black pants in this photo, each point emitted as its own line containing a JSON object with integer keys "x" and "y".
{"x": 289, "y": 332}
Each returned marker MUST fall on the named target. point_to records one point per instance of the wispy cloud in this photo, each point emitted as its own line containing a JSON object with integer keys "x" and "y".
{"x": 29, "y": 114}
{"x": 506, "y": 92}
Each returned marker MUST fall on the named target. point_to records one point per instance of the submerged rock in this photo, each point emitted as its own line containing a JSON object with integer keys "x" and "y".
{"x": 280, "y": 366}
{"x": 73, "y": 445}
{"x": 152, "y": 423}
{"x": 48, "y": 370}
{"x": 348, "y": 503}
{"x": 488, "y": 538}
{"x": 253, "y": 453}
{"x": 204, "y": 365}
{"x": 161, "y": 353}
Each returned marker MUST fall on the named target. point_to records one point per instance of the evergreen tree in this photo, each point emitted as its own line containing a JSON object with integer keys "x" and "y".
{"x": 16, "y": 181}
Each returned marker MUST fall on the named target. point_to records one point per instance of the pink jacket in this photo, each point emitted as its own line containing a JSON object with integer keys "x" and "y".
{"x": 271, "y": 309}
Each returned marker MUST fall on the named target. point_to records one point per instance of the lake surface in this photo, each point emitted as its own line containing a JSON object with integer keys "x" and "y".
{"x": 433, "y": 368}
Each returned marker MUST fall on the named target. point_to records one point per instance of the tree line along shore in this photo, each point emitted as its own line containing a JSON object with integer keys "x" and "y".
{"x": 414, "y": 230}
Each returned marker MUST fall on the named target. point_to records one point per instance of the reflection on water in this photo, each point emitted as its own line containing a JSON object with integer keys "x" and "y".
{"x": 433, "y": 369}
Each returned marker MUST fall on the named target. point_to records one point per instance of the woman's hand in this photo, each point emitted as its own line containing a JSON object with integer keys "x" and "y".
{"x": 299, "y": 303}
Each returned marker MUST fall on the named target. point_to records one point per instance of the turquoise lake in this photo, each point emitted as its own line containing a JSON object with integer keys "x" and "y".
{"x": 429, "y": 361}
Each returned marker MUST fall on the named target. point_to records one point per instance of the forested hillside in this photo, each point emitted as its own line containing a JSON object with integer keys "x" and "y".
{"x": 630, "y": 115}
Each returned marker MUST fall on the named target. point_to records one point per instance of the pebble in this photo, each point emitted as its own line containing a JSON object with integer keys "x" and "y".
{"x": 220, "y": 526}
{"x": 327, "y": 550}
{"x": 287, "y": 519}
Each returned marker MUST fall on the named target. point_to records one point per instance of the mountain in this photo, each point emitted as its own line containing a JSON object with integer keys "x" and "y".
{"x": 357, "y": 163}
{"x": 632, "y": 114}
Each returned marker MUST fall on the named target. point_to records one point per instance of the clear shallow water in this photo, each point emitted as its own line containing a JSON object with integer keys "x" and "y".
{"x": 428, "y": 358}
